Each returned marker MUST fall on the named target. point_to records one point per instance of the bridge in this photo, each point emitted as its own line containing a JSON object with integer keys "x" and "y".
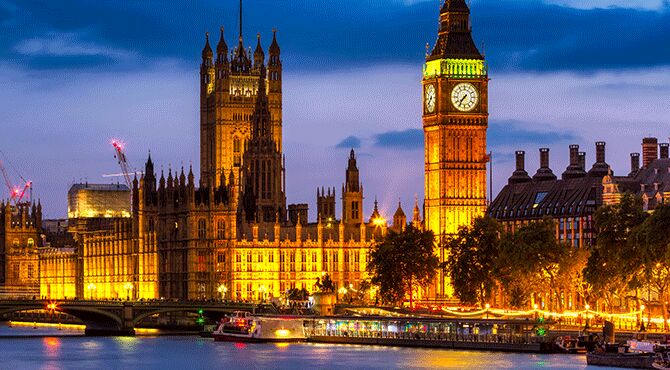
{"x": 121, "y": 317}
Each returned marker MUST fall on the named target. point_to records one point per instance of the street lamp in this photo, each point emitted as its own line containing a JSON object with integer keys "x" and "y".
{"x": 262, "y": 289}
{"x": 91, "y": 287}
{"x": 342, "y": 291}
{"x": 222, "y": 289}
{"x": 128, "y": 288}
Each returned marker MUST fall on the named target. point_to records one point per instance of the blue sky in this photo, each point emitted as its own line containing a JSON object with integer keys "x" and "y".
{"x": 74, "y": 74}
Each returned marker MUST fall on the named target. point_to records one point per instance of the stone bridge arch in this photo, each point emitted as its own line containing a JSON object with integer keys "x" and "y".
{"x": 98, "y": 320}
{"x": 208, "y": 312}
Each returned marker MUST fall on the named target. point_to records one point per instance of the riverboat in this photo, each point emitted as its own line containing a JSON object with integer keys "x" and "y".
{"x": 242, "y": 327}
{"x": 568, "y": 344}
{"x": 635, "y": 354}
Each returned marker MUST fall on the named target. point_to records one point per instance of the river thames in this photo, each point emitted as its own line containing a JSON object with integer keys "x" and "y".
{"x": 18, "y": 351}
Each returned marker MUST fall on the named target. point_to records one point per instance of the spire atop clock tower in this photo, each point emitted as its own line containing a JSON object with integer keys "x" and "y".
{"x": 454, "y": 38}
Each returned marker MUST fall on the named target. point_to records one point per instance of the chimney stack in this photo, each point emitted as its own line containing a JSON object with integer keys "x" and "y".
{"x": 600, "y": 168}
{"x": 520, "y": 160}
{"x": 544, "y": 157}
{"x": 649, "y": 150}
{"x": 663, "y": 150}
{"x": 544, "y": 172}
{"x": 582, "y": 161}
{"x": 520, "y": 175}
{"x": 577, "y": 163}
{"x": 600, "y": 152}
{"x": 574, "y": 155}
{"x": 634, "y": 163}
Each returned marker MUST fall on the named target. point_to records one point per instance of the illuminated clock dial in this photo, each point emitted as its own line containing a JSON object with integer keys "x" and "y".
{"x": 430, "y": 98}
{"x": 464, "y": 96}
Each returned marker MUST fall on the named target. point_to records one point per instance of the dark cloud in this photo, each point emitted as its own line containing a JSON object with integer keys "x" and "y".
{"x": 349, "y": 142}
{"x": 409, "y": 139}
{"x": 513, "y": 133}
{"x": 500, "y": 133}
{"x": 519, "y": 35}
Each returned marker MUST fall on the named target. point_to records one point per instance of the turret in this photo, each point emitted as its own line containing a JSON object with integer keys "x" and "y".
{"x": 399, "y": 219}
{"x": 207, "y": 74}
{"x": 352, "y": 193}
{"x": 416, "y": 214}
{"x": 221, "y": 51}
{"x": 259, "y": 54}
{"x": 274, "y": 65}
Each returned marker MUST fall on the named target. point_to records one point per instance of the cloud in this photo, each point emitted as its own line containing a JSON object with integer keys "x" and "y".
{"x": 349, "y": 142}
{"x": 512, "y": 132}
{"x": 604, "y": 4}
{"x": 65, "y": 44}
{"x": 519, "y": 35}
{"x": 410, "y": 139}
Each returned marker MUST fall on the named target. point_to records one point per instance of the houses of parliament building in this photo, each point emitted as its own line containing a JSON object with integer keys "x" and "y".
{"x": 230, "y": 234}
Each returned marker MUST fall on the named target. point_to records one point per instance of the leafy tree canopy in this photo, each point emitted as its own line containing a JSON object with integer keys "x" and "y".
{"x": 402, "y": 261}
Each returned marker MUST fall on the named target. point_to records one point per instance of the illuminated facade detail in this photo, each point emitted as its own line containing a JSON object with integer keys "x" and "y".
{"x": 352, "y": 194}
{"x": 19, "y": 239}
{"x": 228, "y": 92}
{"x": 455, "y": 131}
{"x": 98, "y": 200}
{"x": 651, "y": 181}
{"x": 228, "y": 237}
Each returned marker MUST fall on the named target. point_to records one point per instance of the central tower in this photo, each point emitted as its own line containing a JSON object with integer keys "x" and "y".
{"x": 228, "y": 92}
{"x": 455, "y": 119}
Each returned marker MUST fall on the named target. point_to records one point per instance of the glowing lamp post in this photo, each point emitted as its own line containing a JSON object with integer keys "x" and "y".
{"x": 128, "y": 287}
{"x": 222, "y": 289}
{"x": 261, "y": 292}
{"x": 91, "y": 288}
{"x": 342, "y": 291}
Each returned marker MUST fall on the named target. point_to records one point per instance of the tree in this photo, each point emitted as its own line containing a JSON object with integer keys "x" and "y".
{"x": 472, "y": 258}
{"x": 613, "y": 265}
{"x": 402, "y": 261}
{"x": 530, "y": 262}
{"x": 651, "y": 243}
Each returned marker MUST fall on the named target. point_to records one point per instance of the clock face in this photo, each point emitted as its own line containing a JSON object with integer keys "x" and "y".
{"x": 430, "y": 98}
{"x": 464, "y": 96}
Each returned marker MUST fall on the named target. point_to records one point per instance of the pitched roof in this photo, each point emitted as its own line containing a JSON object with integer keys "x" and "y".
{"x": 537, "y": 199}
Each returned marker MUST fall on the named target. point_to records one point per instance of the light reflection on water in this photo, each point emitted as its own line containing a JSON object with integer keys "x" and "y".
{"x": 197, "y": 353}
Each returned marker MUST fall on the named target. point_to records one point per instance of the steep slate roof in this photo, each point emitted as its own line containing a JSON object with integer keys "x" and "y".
{"x": 537, "y": 199}
{"x": 457, "y": 41}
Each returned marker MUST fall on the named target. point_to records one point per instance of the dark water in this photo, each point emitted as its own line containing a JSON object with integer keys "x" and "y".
{"x": 175, "y": 352}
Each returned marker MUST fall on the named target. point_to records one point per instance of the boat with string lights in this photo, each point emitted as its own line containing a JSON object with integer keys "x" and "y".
{"x": 242, "y": 327}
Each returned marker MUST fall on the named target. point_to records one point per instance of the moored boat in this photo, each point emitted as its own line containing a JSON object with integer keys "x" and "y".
{"x": 635, "y": 354}
{"x": 242, "y": 327}
{"x": 567, "y": 344}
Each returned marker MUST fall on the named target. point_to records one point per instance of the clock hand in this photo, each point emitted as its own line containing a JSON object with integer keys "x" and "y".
{"x": 463, "y": 98}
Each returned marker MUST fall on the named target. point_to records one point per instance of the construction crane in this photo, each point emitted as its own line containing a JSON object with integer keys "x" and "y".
{"x": 16, "y": 193}
{"x": 120, "y": 156}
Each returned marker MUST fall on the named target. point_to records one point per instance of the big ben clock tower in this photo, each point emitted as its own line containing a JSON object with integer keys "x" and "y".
{"x": 455, "y": 119}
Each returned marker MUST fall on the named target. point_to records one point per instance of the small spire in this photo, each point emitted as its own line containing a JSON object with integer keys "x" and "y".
{"x": 274, "y": 47}
{"x": 259, "y": 54}
{"x": 222, "y": 47}
{"x": 207, "y": 50}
